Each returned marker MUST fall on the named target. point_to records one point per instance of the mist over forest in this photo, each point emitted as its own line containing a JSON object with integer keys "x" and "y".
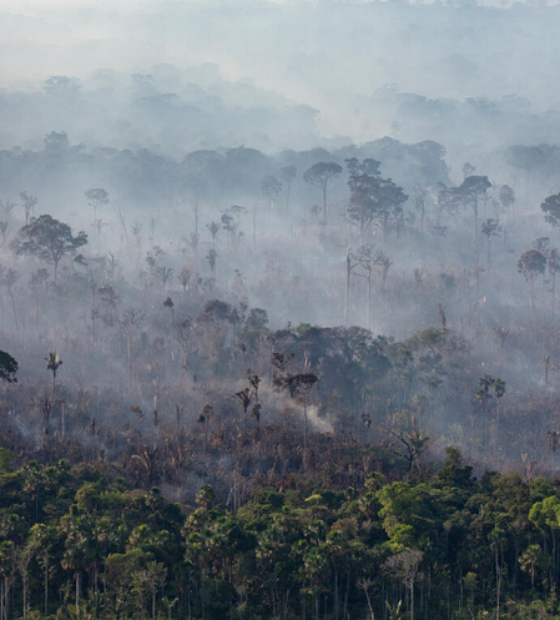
{"x": 278, "y": 310}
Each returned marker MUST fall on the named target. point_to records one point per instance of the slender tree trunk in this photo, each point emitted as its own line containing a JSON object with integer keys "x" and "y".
{"x": 77, "y": 593}
{"x": 13, "y": 306}
{"x": 325, "y": 204}
{"x": 335, "y": 592}
{"x": 369, "y": 604}
{"x": 206, "y": 435}
{"x": 498, "y": 585}
{"x": 24, "y": 583}
{"x": 129, "y": 362}
{"x": 475, "y": 207}
{"x": 369, "y": 300}
{"x": 345, "y": 610}
{"x": 254, "y": 229}
{"x": 347, "y": 288}
{"x": 305, "y": 434}
{"x": 46, "y": 583}
{"x": 553, "y": 294}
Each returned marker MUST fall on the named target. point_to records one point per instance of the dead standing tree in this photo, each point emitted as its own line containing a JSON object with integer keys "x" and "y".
{"x": 127, "y": 324}
{"x": 184, "y": 330}
{"x": 404, "y": 566}
{"x": 204, "y": 418}
{"x": 414, "y": 444}
{"x": 299, "y": 385}
{"x": 244, "y": 398}
{"x": 368, "y": 258}
{"x": 28, "y": 202}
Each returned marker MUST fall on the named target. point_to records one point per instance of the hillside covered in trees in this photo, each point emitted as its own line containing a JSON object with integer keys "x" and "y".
{"x": 82, "y": 542}
{"x": 285, "y": 346}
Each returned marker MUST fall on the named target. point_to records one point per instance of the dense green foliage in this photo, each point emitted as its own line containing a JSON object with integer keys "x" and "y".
{"x": 82, "y": 543}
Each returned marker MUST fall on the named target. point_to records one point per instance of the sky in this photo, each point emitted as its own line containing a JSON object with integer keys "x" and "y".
{"x": 332, "y": 55}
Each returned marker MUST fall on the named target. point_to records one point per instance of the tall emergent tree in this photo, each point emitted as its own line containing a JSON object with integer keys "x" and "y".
{"x": 289, "y": 173}
{"x": 53, "y": 364}
{"x": 8, "y": 368}
{"x": 48, "y": 239}
{"x": 28, "y": 202}
{"x": 373, "y": 199}
{"x": 490, "y": 228}
{"x": 551, "y": 209}
{"x": 96, "y": 197}
{"x": 298, "y": 385}
{"x": 532, "y": 264}
{"x": 319, "y": 175}
{"x": 471, "y": 190}
{"x": 271, "y": 188}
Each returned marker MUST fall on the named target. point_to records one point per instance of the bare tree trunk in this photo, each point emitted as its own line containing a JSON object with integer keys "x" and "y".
{"x": 498, "y": 585}
{"x": 369, "y": 301}
{"x": 345, "y": 610}
{"x": 13, "y": 306}
{"x": 553, "y": 294}
{"x": 305, "y": 434}
{"x": 335, "y": 592}
{"x": 254, "y": 229}
{"x": 129, "y": 362}
{"x": 369, "y": 604}
{"x": 24, "y": 583}
{"x": 347, "y": 289}
{"x": 46, "y": 583}
{"x": 77, "y": 594}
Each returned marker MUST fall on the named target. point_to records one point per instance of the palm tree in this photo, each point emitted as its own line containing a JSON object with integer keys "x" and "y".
{"x": 244, "y": 397}
{"x": 502, "y": 334}
{"x": 164, "y": 274}
{"x": 394, "y": 612}
{"x": 7, "y": 208}
{"x": 23, "y": 559}
{"x": 4, "y": 230}
{"x": 7, "y": 573}
{"x": 41, "y": 540}
{"x": 156, "y": 575}
{"x": 214, "y": 228}
{"x": 204, "y": 418}
{"x": 169, "y": 605}
{"x": 53, "y": 364}
{"x": 184, "y": 278}
{"x": 77, "y": 550}
{"x": 211, "y": 258}
{"x": 529, "y": 560}
{"x": 256, "y": 411}
{"x": 147, "y": 458}
{"x": 168, "y": 303}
